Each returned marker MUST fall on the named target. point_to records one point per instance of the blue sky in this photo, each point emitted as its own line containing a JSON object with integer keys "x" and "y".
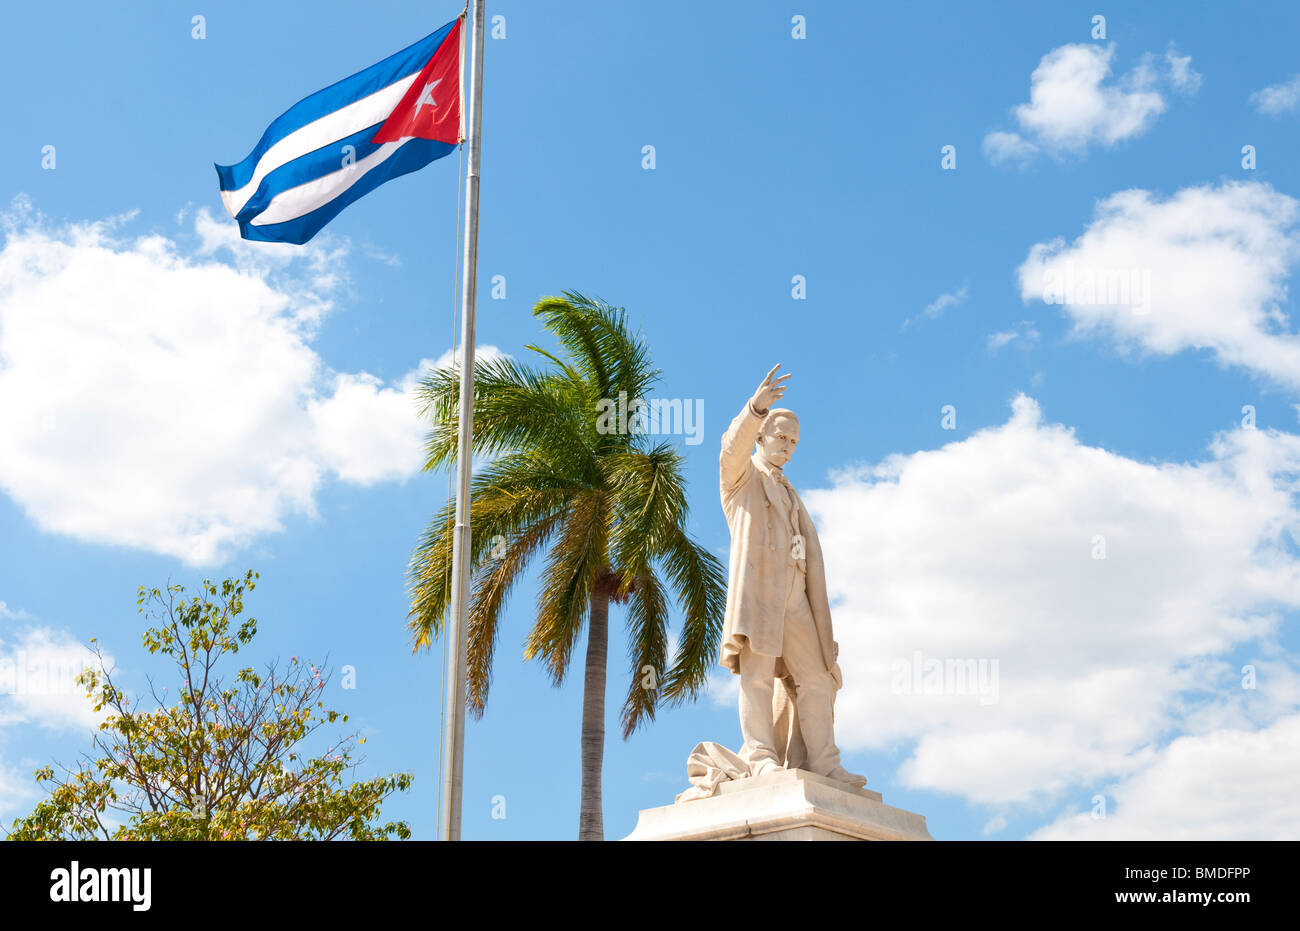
{"x": 177, "y": 405}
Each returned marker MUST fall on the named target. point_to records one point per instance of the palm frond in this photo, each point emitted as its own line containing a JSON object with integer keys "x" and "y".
{"x": 515, "y": 408}
{"x": 575, "y": 565}
{"x": 570, "y": 318}
{"x": 647, "y": 619}
{"x": 492, "y": 587}
{"x": 429, "y": 578}
{"x": 596, "y": 335}
{"x": 506, "y": 499}
{"x": 649, "y": 501}
{"x": 699, "y": 579}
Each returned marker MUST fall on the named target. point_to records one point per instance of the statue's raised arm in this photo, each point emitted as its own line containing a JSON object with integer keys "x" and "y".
{"x": 769, "y": 391}
{"x": 738, "y": 442}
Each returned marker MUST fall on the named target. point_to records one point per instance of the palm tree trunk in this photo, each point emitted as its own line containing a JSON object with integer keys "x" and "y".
{"x": 590, "y": 821}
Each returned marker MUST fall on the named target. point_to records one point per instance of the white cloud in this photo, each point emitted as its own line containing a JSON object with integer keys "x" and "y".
{"x": 994, "y": 825}
{"x": 982, "y": 552}
{"x": 723, "y": 689}
{"x": 939, "y": 305}
{"x": 8, "y": 613}
{"x": 37, "y": 672}
{"x": 1182, "y": 76}
{"x": 360, "y": 406}
{"x": 1203, "y": 269}
{"x": 1224, "y": 785}
{"x": 17, "y": 792}
{"x": 374, "y": 252}
{"x": 1070, "y": 106}
{"x": 1024, "y": 336}
{"x": 1000, "y": 148}
{"x": 1277, "y": 99}
{"x": 38, "y": 690}
{"x": 1073, "y": 105}
{"x": 171, "y": 401}
{"x": 944, "y": 301}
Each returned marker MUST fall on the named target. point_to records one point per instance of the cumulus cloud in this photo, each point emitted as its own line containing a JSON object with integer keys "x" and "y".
{"x": 1206, "y": 268}
{"x": 1028, "y": 619}
{"x": 38, "y": 693}
{"x": 1073, "y": 104}
{"x": 1277, "y": 99}
{"x": 360, "y": 406}
{"x": 38, "y": 668}
{"x": 1224, "y": 785}
{"x": 170, "y": 399}
{"x": 1002, "y": 147}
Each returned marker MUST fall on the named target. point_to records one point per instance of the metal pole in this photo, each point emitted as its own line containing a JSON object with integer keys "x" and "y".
{"x": 453, "y": 736}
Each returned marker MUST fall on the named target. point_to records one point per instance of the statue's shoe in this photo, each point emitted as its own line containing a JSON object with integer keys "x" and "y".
{"x": 765, "y": 767}
{"x": 840, "y": 774}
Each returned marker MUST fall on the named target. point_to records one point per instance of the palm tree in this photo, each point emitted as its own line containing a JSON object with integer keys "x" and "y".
{"x": 608, "y": 507}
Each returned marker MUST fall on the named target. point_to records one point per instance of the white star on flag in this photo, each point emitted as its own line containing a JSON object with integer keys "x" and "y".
{"x": 427, "y": 97}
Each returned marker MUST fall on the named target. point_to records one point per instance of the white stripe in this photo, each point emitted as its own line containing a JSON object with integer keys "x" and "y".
{"x": 311, "y": 195}
{"x": 331, "y": 127}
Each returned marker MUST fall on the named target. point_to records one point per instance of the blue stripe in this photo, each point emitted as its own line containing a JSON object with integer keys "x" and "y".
{"x": 412, "y": 156}
{"x": 362, "y": 84}
{"x": 325, "y": 160}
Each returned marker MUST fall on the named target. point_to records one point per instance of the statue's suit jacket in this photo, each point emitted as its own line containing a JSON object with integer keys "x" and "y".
{"x": 762, "y": 566}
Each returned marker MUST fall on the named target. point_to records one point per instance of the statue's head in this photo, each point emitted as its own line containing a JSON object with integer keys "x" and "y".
{"x": 777, "y": 436}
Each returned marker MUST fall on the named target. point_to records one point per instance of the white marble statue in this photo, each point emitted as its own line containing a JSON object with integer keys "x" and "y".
{"x": 777, "y": 631}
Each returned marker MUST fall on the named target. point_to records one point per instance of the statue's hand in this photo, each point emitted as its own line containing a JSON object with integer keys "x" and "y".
{"x": 769, "y": 391}
{"x": 836, "y": 676}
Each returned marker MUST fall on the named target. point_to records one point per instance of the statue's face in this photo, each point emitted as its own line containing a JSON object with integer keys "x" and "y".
{"x": 777, "y": 441}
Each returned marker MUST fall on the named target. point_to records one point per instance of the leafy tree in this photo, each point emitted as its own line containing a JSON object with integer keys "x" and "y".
{"x": 607, "y": 507}
{"x": 223, "y": 763}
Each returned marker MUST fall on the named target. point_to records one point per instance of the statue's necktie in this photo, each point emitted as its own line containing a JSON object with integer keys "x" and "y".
{"x": 792, "y": 508}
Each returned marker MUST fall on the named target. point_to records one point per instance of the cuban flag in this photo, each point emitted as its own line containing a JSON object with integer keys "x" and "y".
{"x": 329, "y": 149}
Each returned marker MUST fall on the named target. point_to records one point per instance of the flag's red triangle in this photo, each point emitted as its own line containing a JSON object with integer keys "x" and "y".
{"x": 430, "y": 108}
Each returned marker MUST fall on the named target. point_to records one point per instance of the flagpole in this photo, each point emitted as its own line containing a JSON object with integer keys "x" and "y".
{"x": 453, "y": 735}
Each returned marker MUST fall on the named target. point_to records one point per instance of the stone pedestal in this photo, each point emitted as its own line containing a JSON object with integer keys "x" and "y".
{"x": 789, "y": 805}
